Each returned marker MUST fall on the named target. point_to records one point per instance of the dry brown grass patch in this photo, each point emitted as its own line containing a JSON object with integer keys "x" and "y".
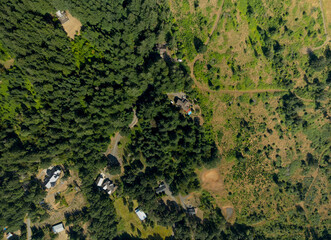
{"x": 72, "y": 26}
{"x": 74, "y": 197}
{"x": 8, "y": 64}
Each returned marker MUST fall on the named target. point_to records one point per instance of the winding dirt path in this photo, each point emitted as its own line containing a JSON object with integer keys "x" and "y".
{"x": 327, "y": 39}
{"x": 303, "y": 99}
{"x": 323, "y": 16}
{"x": 134, "y": 120}
{"x": 216, "y": 23}
{"x": 315, "y": 174}
{"x": 28, "y": 227}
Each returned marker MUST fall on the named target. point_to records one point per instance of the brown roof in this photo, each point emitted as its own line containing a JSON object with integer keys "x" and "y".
{"x": 184, "y": 104}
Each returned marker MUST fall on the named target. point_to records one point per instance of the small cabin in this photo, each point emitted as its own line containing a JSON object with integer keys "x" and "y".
{"x": 62, "y": 16}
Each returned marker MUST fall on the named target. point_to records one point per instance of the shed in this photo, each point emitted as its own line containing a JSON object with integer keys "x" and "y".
{"x": 141, "y": 215}
{"x": 58, "y": 228}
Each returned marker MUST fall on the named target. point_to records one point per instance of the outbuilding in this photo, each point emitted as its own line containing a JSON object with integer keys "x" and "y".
{"x": 141, "y": 215}
{"x": 57, "y": 228}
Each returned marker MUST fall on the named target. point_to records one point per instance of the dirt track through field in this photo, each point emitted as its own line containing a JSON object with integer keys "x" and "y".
{"x": 327, "y": 39}
{"x": 134, "y": 120}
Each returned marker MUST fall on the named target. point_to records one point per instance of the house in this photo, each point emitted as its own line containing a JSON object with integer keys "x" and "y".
{"x": 52, "y": 177}
{"x": 100, "y": 180}
{"x": 160, "y": 189}
{"x": 141, "y": 215}
{"x": 109, "y": 186}
{"x": 57, "y": 228}
{"x": 105, "y": 184}
{"x": 184, "y": 104}
{"x": 162, "y": 49}
{"x": 62, "y": 16}
{"x": 9, "y": 235}
{"x": 110, "y": 189}
{"x": 191, "y": 210}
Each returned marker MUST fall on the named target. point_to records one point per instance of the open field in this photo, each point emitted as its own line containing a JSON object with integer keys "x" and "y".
{"x": 130, "y": 223}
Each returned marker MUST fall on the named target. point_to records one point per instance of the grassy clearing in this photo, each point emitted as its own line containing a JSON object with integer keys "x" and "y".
{"x": 130, "y": 223}
{"x": 72, "y": 26}
{"x": 64, "y": 197}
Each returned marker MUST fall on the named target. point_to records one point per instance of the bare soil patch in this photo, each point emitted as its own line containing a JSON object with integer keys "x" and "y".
{"x": 62, "y": 236}
{"x": 8, "y": 64}
{"x": 211, "y": 181}
{"x": 72, "y": 26}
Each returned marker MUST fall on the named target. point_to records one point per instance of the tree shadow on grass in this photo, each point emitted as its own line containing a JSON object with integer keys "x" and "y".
{"x": 126, "y": 236}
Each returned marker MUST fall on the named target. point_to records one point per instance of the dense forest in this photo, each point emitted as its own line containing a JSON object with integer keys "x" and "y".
{"x": 62, "y": 99}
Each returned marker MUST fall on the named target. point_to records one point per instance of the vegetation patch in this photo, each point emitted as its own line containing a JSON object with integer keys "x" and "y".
{"x": 130, "y": 223}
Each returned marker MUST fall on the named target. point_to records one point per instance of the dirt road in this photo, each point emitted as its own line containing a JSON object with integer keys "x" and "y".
{"x": 134, "y": 120}
{"x": 28, "y": 226}
{"x": 215, "y": 23}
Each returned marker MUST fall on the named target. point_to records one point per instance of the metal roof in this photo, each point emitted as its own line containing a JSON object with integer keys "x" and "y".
{"x": 58, "y": 228}
{"x": 141, "y": 215}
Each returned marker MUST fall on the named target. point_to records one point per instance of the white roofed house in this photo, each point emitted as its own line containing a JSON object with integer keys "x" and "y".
{"x": 141, "y": 215}
{"x": 105, "y": 184}
{"x": 9, "y": 236}
{"x": 52, "y": 178}
{"x": 57, "y": 228}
